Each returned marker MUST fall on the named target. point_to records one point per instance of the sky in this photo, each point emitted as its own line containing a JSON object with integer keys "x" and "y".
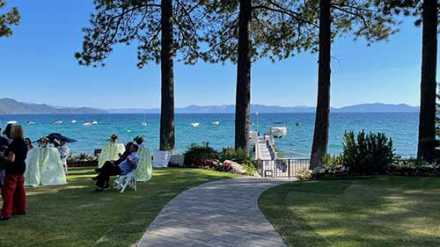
{"x": 37, "y": 65}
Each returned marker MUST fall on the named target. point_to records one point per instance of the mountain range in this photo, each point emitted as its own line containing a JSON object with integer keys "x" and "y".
{"x": 11, "y": 106}
{"x": 373, "y": 107}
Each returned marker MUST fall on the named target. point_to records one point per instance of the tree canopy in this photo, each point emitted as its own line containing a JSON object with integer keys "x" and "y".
{"x": 280, "y": 29}
{"x": 139, "y": 21}
{"x": 362, "y": 19}
{"x": 7, "y": 19}
{"x": 277, "y": 29}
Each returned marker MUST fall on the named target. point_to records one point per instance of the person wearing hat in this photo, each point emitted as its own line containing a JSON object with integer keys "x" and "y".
{"x": 111, "y": 151}
{"x": 145, "y": 169}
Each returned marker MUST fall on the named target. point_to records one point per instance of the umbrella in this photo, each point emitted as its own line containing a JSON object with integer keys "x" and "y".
{"x": 60, "y": 137}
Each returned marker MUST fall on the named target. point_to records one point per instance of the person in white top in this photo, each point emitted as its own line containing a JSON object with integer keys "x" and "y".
{"x": 44, "y": 166}
{"x": 145, "y": 169}
{"x": 111, "y": 151}
{"x": 64, "y": 151}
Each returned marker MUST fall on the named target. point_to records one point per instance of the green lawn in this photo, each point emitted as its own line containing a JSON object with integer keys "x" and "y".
{"x": 377, "y": 211}
{"x": 76, "y": 215}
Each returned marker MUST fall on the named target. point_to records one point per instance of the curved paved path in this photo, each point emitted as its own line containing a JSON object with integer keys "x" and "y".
{"x": 220, "y": 213}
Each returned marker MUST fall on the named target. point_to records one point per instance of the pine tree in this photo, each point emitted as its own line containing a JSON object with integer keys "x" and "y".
{"x": 427, "y": 13}
{"x": 243, "y": 31}
{"x": 336, "y": 18}
{"x": 10, "y": 18}
{"x": 437, "y": 131}
{"x": 428, "y": 88}
{"x": 164, "y": 30}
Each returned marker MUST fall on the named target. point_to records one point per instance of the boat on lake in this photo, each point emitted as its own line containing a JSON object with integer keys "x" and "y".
{"x": 278, "y": 132}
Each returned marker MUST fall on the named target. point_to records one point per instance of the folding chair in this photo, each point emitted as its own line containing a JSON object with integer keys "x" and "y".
{"x": 122, "y": 182}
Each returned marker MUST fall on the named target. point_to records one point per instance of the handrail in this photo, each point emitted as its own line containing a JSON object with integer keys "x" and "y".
{"x": 302, "y": 159}
{"x": 281, "y": 167}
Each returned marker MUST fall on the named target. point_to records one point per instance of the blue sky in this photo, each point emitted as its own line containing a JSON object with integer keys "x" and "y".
{"x": 37, "y": 65}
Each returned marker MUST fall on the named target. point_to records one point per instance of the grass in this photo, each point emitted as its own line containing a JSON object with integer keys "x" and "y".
{"x": 376, "y": 211}
{"x": 76, "y": 215}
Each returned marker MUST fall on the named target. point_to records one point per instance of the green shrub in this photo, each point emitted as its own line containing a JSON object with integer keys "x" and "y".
{"x": 367, "y": 154}
{"x": 304, "y": 174}
{"x": 333, "y": 165}
{"x": 249, "y": 167}
{"x": 413, "y": 167}
{"x": 332, "y": 162}
{"x": 198, "y": 155}
{"x": 238, "y": 155}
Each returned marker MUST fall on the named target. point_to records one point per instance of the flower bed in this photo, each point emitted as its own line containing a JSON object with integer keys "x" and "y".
{"x": 82, "y": 160}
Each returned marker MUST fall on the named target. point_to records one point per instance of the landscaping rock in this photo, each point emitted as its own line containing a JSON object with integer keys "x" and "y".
{"x": 235, "y": 167}
{"x": 176, "y": 160}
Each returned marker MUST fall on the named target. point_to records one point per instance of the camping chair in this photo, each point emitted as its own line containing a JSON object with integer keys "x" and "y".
{"x": 122, "y": 182}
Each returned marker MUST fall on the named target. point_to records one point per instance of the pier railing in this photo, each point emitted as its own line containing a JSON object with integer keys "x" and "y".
{"x": 281, "y": 167}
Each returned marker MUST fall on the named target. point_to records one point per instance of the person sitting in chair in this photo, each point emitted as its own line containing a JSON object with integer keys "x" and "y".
{"x": 111, "y": 151}
{"x": 120, "y": 167}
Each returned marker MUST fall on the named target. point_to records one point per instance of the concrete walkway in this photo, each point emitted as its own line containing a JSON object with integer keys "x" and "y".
{"x": 220, "y": 213}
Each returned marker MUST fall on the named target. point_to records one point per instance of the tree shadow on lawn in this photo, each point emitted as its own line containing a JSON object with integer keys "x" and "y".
{"x": 383, "y": 211}
{"x": 76, "y": 215}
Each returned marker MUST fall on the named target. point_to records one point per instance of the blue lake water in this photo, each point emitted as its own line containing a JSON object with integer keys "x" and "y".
{"x": 402, "y": 127}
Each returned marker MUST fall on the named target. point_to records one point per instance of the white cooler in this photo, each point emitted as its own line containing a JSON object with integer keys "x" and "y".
{"x": 161, "y": 158}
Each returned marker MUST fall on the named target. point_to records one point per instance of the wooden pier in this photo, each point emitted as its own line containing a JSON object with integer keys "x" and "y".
{"x": 270, "y": 165}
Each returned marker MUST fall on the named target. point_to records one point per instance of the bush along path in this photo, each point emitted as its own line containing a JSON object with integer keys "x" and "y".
{"x": 220, "y": 213}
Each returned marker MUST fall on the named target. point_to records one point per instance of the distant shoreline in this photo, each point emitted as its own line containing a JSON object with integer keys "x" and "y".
{"x": 189, "y": 113}
{"x": 13, "y": 107}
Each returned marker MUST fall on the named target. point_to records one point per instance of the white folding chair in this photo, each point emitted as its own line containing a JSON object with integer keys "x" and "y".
{"x": 122, "y": 182}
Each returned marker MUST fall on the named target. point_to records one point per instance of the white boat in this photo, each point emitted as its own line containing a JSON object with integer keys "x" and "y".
{"x": 216, "y": 123}
{"x": 278, "y": 132}
{"x": 195, "y": 125}
{"x": 58, "y": 122}
{"x": 144, "y": 123}
{"x": 87, "y": 124}
{"x": 73, "y": 121}
{"x": 30, "y": 123}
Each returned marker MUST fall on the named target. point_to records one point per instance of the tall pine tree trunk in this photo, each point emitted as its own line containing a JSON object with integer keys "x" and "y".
{"x": 167, "y": 139}
{"x": 426, "y": 147}
{"x": 243, "y": 94}
{"x": 320, "y": 135}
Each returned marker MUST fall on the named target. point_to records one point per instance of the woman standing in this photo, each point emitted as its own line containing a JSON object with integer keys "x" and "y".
{"x": 13, "y": 193}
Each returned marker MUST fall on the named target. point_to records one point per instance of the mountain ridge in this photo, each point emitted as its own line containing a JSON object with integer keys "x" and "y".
{"x": 367, "y": 108}
{"x": 10, "y": 107}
